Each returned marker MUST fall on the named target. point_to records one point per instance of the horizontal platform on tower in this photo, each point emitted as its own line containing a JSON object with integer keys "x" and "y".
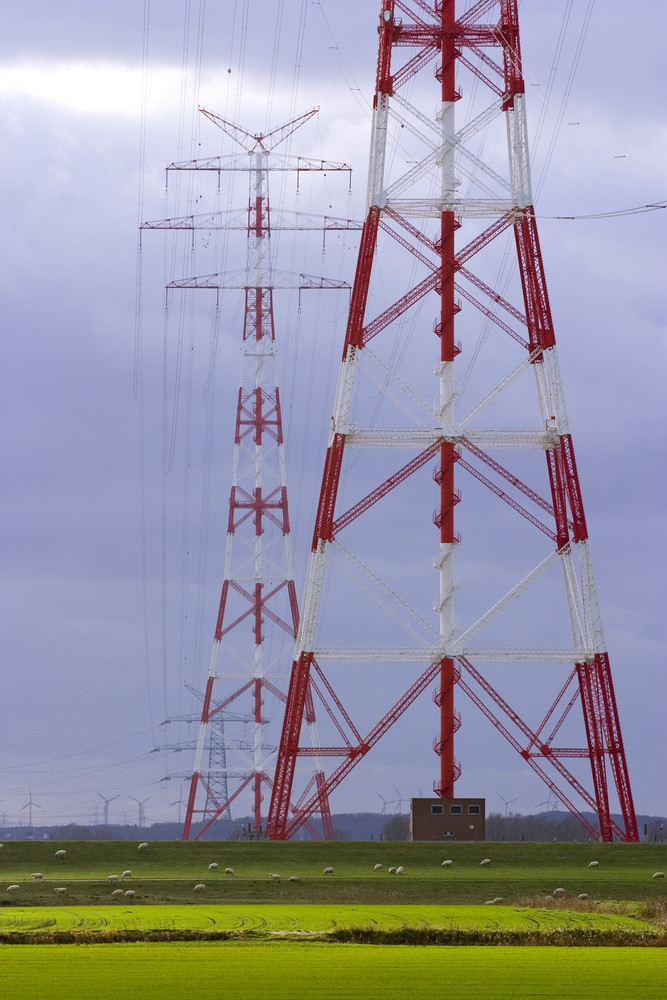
{"x": 401, "y": 654}
{"x": 422, "y": 437}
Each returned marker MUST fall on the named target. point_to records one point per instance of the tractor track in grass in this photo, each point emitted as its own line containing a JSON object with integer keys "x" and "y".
{"x": 371, "y": 925}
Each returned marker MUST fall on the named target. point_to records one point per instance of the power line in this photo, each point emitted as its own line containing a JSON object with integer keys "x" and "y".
{"x": 653, "y": 206}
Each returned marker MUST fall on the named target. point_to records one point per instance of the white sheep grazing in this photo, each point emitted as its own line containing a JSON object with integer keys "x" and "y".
{"x": 294, "y": 878}
{"x": 113, "y": 878}
{"x": 446, "y": 864}
{"x": 486, "y": 861}
{"x": 61, "y": 854}
{"x": 127, "y": 874}
{"x": 489, "y": 902}
{"x": 200, "y": 887}
{"x": 559, "y": 892}
{"x": 61, "y": 889}
{"x": 129, "y": 893}
{"x": 117, "y": 892}
{"x": 498, "y": 899}
{"x": 37, "y": 875}
{"x": 212, "y": 867}
{"x": 399, "y": 870}
{"x": 659, "y": 875}
{"x": 377, "y": 868}
{"x": 392, "y": 870}
{"x": 273, "y": 875}
{"x": 593, "y": 864}
{"x": 328, "y": 871}
{"x": 229, "y": 871}
{"x": 142, "y": 847}
{"x": 12, "y": 888}
{"x": 582, "y": 895}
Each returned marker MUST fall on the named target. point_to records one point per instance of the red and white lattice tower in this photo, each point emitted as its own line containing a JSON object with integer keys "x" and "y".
{"x": 258, "y": 612}
{"x": 448, "y": 89}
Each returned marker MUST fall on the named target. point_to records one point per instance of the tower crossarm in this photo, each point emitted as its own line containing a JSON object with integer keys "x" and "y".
{"x": 237, "y": 219}
{"x": 238, "y": 163}
{"x": 273, "y": 278}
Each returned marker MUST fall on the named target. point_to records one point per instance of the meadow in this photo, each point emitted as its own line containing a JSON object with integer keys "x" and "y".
{"x": 167, "y": 871}
{"x": 336, "y": 934}
{"x": 288, "y": 971}
{"x": 425, "y": 924}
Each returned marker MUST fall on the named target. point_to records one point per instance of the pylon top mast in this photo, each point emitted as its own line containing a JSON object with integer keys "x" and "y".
{"x": 259, "y": 142}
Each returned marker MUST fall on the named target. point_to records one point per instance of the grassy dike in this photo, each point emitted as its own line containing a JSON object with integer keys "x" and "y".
{"x": 427, "y": 904}
{"x": 166, "y": 872}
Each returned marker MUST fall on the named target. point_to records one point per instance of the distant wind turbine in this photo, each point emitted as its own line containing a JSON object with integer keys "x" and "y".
{"x": 29, "y": 805}
{"x": 507, "y": 802}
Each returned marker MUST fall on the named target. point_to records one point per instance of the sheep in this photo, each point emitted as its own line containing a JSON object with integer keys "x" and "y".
{"x": 294, "y": 878}
{"x": 273, "y": 875}
{"x": 659, "y": 875}
{"x": 446, "y": 863}
{"x": 117, "y": 892}
{"x": 142, "y": 847}
{"x": 593, "y": 864}
{"x": 61, "y": 889}
{"x": 212, "y": 867}
{"x": 129, "y": 893}
{"x": 127, "y": 874}
{"x": 377, "y": 868}
{"x": 499, "y": 899}
{"x": 392, "y": 870}
{"x": 559, "y": 892}
{"x": 199, "y": 887}
{"x": 489, "y": 902}
{"x": 12, "y": 888}
{"x": 328, "y": 871}
{"x": 113, "y": 878}
{"x": 486, "y": 861}
{"x": 36, "y": 875}
{"x": 399, "y": 870}
{"x": 229, "y": 871}
{"x": 61, "y": 854}
{"x": 582, "y": 895}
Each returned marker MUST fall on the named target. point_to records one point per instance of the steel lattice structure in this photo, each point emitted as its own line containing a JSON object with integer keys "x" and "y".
{"x": 457, "y": 218}
{"x": 258, "y": 592}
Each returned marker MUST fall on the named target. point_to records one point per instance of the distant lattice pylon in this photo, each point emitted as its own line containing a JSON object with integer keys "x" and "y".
{"x": 527, "y": 594}
{"x": 234, "y": 752}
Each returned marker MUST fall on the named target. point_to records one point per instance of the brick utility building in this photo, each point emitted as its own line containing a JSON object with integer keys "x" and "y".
{"x": 447, "y": 819}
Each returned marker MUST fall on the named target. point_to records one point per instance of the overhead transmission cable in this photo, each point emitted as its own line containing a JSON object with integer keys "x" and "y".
{"x": 138, "y": 386}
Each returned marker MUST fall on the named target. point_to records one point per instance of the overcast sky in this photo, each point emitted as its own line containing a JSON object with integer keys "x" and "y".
{"x": 94, "y": 654}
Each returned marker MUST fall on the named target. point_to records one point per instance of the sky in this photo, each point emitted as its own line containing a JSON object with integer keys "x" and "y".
{"x": 103, "y": 620}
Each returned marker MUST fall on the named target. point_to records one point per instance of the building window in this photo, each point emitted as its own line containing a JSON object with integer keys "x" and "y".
{"x": 473, "y": 810}
{"x": 436, "y": 810}
{"x": 448, "y": 833}
{"x": 456, "y": 810}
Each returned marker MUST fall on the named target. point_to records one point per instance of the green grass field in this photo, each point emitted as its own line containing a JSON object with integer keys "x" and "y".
{"x": 287, "y": 971}
{"x": 166, "y": 872}
{"x": 284, "y": 938}
{"x": 267, "y": 920}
